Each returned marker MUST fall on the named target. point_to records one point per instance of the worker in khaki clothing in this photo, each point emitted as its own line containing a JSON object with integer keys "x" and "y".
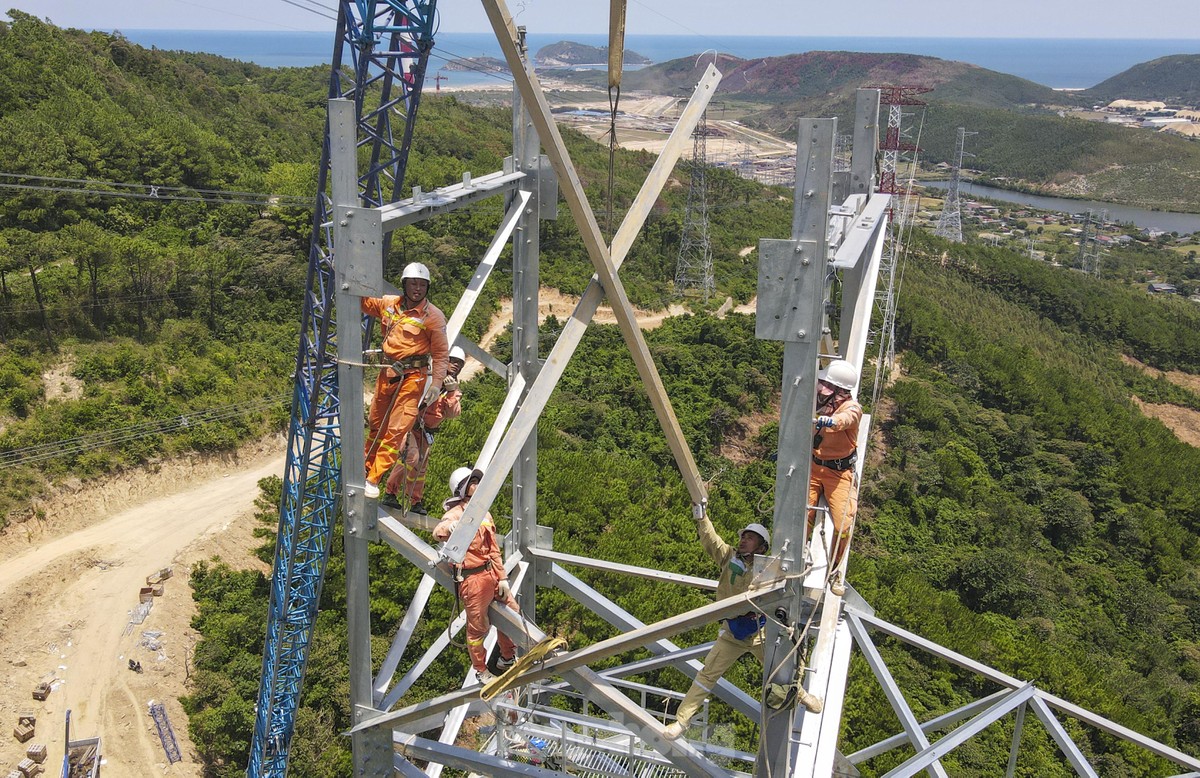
{"x": 835, "y": 452}
{"x": 738, "y": 636}
{"x": 481, "y": 579}
{"x": 414, "y": 345}
{"x": 409, "y": 475}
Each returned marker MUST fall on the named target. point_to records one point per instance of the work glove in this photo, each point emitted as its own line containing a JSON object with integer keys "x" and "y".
{"x": 824, "y": 422}
{"x": 431, "y": 392}
{"x": 700, "y": 509}
{"x": 450, "y": 384}
{"x": 503, "y": 590}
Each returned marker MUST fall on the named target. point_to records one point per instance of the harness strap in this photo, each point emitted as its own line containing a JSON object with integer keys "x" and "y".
{"x": 845, "y": 463}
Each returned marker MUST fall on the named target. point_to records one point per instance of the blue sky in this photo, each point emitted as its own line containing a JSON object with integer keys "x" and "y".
{"x": 898, "y": 18}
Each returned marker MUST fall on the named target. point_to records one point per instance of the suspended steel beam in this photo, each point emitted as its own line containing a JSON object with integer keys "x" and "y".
{"x": 606, "y": 265}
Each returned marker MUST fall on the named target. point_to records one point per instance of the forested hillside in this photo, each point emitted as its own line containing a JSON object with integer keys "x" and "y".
{"x": 1174, "y": 79}
{"x": 170, "y": 323}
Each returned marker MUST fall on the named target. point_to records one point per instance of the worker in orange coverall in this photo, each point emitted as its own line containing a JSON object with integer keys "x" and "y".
{"x": 835, "y": 452}
{"x": 481, "y": 578}
{"x": 415, "y": 348}
{"x": 410, "y": 474}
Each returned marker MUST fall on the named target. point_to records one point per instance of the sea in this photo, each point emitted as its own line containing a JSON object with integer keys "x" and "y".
{"x": 1061, "y": 63}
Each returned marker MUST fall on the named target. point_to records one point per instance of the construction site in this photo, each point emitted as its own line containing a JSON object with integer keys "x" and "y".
{"x": 827, "y": 294}
{"x": 553, "y": 714}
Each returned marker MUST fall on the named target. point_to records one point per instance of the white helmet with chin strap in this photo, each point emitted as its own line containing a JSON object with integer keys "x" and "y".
{"x": 414, "y": 270}
{"x": 459, "y": 354}
{"x": 759, "y": 530}
{"x": 460, "y": 479}
{"x": 841, "y": 374}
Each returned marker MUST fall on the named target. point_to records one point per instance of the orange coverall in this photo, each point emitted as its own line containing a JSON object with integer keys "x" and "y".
{"x": 407, "y": 333}
{"x": 479, "y": 588}
{"x": 447, "y": 406}
{"x": 837, "y": 486}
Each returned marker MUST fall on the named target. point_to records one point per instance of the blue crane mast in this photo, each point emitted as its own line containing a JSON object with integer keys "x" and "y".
{"x": 380, "y": 53}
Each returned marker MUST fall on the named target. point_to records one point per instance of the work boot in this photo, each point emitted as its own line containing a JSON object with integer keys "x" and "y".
{"x": 484, "y": 677}
{"x": 809, "y": 700}
{"x": 390, "y": 500}
{"x": 673, "y": 731}
{"x": 503, "y": 664}
{"x": 418, "y": 507}
{"x": 371, "y": 491}
{"x": 837, "y": 587}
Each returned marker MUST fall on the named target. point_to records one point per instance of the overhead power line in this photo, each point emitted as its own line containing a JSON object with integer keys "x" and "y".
{"x": 92, "y": 187}
{"x": 43, "y": 452}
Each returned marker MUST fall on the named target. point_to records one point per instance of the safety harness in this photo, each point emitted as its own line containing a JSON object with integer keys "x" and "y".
{"x": 845, "y": 463}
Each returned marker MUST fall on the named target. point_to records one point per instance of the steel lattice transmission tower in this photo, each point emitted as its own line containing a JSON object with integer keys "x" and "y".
{"x": 694, "y": 268}
{"x": 894, "y": 142}
{"x": 1089, "y": 249}
{"x": 950, "y": 222}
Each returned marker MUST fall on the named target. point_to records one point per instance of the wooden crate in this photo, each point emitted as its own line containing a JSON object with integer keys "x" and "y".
{"x": 41, "y": 691}
{"x": 29, "y": 768}
{"x": 15, "y": 774}
{"x": 23, "y": 733}
{"x": 36, "y": 752}
{"x": 157, "y": 590}
{"x": 27, "y": 717}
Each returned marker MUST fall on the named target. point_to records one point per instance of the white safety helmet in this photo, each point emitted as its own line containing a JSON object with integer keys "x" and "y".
{"x": 414, "y": 270}
{"x": 460, "y": 479}
{"x": 840, "y": 373}
{"x": 459, "y": 354}
{"x": 759, "y": 530}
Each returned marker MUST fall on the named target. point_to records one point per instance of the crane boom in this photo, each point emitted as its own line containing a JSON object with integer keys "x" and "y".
{"x": 381, "y": 50}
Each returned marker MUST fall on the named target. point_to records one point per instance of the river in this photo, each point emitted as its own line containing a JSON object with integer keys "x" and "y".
{"x": 1170, "y": 221}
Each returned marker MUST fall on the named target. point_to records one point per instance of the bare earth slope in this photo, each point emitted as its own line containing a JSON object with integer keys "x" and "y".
{"x": 68, "y": 585}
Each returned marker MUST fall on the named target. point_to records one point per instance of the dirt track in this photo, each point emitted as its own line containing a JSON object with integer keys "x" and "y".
{"x": 68, "y": 585}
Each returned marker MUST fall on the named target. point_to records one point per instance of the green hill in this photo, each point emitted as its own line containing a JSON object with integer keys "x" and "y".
{"x": 1021, "y": 511}
{"x": 1174, "y": 80}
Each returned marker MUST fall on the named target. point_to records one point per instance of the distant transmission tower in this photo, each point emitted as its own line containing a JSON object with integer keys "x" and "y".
{"x": 950, "y": 222}
{"x": 843, "y": 146}
{"x": 1089, "y": 249}
{"x": 894, "y": 142}
{"x": 694, "y": 268}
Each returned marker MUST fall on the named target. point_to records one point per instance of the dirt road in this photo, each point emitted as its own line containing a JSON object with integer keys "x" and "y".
{"x": 67, "y": 589}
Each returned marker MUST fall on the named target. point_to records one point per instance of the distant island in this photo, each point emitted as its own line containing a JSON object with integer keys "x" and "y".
{"x": 478, "y": 64}
{"x": 565, "y": 54}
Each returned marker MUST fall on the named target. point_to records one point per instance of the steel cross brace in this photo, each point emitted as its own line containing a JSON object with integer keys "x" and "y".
{"x": 607, "y": 262}
{"x": 571, "y": 666}
{"x": 1041, "y": 700}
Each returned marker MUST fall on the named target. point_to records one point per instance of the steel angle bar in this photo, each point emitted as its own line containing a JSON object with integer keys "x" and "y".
{"x": 1003, "y": 679}
{"x": 998, "y": 710}
{"x": 440, "y": 643}
{"x": 899, "y": 705}
{"x": 864, "y": 228}
{"x": 1113, "y": 728}
{"x": 652, "y": 663}
{"x": 573, "y": 329}
{"x": 929, "y": 646}
{"x": 446, "y": 199}
{"x": 641, "y": 572}
{"x": 484, "y": 358}
{"x": 499, "y": 424}
{"x": 764, "y": 597}
{"x": 408, "y": 624}
{"x": 470, "y": 296}
{"x": 933, "y": 725}
{"x": 622, "y": 619}
{"x": 1018, "y": 729}
{"x": 409, "y": 746}
{"x": 1059, "y": 733}
{"x": 407, "y": 768}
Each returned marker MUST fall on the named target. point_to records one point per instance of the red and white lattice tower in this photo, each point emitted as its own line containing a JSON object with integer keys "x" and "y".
{"x": 891, "y": 145}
